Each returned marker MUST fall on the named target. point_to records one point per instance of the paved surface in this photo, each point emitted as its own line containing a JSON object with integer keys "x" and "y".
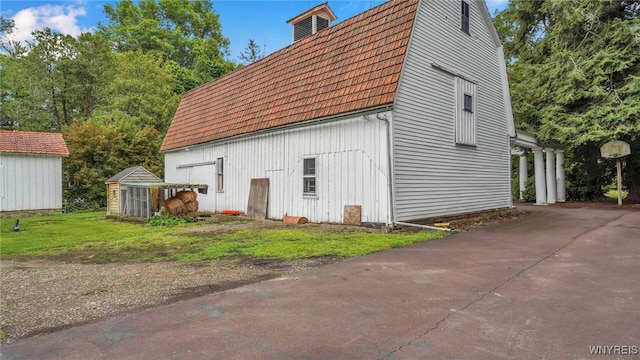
{"x": 547, "y": 286}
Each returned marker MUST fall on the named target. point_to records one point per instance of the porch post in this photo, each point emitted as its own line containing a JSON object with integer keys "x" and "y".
{"x": 562, "y": 195}
{"x": 551, "y": 176}
{"x": 541, "y": 187}
{"x": 523, "y": 173}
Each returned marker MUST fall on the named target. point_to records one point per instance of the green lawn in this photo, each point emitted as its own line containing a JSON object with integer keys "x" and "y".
{"x": 91, "y": 237}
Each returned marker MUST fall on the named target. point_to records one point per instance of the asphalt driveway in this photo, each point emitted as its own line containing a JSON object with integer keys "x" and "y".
{"x": 559, "y": 284}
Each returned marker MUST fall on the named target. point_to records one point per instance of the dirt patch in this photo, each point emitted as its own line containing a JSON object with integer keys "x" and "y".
{"x": 468, "y": 222}
{"x": 43, "y": 296}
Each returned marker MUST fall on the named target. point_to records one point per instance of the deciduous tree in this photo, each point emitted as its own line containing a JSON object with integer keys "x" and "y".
{"x": 185, "y": 32}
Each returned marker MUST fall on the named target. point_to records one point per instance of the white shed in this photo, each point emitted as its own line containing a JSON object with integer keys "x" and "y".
{"x": 31, "y": 170}
{"x": 401, "y": 112}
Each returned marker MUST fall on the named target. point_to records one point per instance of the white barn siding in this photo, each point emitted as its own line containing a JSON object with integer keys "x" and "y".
{"x": 434, "y": 176}
{"x": 351, "y": 161}
{"x": 30, "y": 182}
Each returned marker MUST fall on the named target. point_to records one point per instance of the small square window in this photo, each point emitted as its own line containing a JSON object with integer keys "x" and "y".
{"x": 468, "y": 103}
{"x": 465, "y": 17}
{"x": 309, "y": 177}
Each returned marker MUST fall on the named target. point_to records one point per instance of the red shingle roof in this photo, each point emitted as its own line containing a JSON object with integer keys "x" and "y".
{"x": 30, "y": 142}
{"x": 351, "y": 66}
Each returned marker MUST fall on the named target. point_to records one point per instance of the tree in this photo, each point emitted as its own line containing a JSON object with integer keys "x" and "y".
{"x": 102, "y": 147}
{"x": 575, "y": 77}
{"x": 143, "y": 88}
{"x": 54, "y": 80}
{"x": 251, "y": 53}
{"x": 125, "y": 130}
{"x": 94, "y": 66}
{"x": 185, "y": 32}
{"x": 40, "y": 81}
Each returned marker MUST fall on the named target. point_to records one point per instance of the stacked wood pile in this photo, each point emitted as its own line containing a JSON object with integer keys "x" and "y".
{"x": 183, "y": 205}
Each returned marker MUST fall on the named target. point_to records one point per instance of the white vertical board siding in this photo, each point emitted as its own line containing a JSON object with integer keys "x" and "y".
{"x": 351, "y": 169}
{"x": 434, "y": 176}
{"x": 30, "y": 182}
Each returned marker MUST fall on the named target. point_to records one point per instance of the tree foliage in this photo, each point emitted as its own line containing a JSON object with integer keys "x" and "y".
{"x": 102, "y": 147}
{"x": 575, "y": 77}
{"x": 187, "y": 33}
{"x": 144, "y": 90}
{"x": 112, "y": 93}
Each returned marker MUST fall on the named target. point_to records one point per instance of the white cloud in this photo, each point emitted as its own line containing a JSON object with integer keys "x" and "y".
{"x": 63, "y": 19}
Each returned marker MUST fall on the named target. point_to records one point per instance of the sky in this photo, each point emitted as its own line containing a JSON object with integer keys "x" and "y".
{"x": 263, "y": 21}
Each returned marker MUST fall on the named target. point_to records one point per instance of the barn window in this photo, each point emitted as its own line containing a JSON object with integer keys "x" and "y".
{"x": 468, "y": 103}
{"x": 465, "y": 17}
{"x": 309, "y": 177}
{"x": 220, "y": 174}
{"x": 466, "y": 114}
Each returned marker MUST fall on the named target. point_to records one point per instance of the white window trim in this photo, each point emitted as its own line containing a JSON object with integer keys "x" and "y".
{"x": 220, "y": 173}
{"x": 315, "y": 176}
{"x": 468, "y": 17}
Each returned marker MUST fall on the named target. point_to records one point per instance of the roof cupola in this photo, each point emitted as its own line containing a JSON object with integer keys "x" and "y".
{"x": 311, "y": 21}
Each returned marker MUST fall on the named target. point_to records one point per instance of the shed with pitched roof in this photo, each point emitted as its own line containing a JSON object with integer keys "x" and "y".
{"x": 31, "y": 170}
{"x": 116, "y": 187}
{"x": 397, "y": 114}
{"x": 137, "y": 192}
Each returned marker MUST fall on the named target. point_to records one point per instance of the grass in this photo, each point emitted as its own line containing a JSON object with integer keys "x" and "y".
{"x": 89, "y": 237}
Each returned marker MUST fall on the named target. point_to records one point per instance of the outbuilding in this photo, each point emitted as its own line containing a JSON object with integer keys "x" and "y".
{"x": 118, "y": 191}
{"x": 137, "y": 192}
{"x": 31, "y": 170}
{"x": 397, "y": 114}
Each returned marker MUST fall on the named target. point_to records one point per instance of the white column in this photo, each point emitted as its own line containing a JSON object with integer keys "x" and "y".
{"x": 551, "y": 176}
{"x": 523, "y": 173}
{"x": 562, "y": 193}
{"x": 541, "y": 187}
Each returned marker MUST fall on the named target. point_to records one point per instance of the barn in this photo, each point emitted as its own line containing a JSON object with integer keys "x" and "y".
{"x": 397, "y": 114}
{"x": 31, "y": 170}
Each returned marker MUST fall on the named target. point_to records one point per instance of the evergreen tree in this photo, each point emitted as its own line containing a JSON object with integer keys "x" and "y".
{"x": 252, "y": 53}
{"x": 575, "y": 77}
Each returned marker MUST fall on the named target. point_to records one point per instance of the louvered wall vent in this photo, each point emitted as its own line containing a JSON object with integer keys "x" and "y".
{"x": 311, "y": 21}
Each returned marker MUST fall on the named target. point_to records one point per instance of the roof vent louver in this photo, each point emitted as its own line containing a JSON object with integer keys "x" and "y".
{"x": 311, "y": 21}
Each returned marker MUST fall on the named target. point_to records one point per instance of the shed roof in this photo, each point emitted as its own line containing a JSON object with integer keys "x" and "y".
{"x": 135, "y": 174}
{"x": 348, "y": 67}
{"x": 32, "y": 142}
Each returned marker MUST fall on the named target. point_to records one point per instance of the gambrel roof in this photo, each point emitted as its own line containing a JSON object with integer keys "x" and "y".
{"x": 32, "y": 142}
{"x": 348, "y": 67}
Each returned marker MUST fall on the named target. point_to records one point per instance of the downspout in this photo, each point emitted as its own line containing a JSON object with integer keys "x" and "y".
{"x": 421, "y": 226}
{"x": 391, "y": 184}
